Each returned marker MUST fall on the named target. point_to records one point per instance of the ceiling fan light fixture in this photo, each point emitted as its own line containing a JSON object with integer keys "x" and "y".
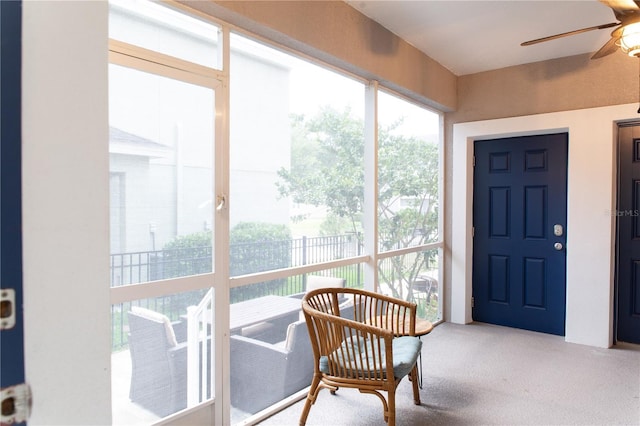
{"x": 630, "y": 39}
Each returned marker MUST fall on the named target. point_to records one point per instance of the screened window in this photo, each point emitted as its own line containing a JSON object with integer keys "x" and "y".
{"x": 408, "y": 202}
{"x": 299, "y": 151}
{"x": 296, "y": 166}
{"x": 161, "y": 160}
{"x": 296, "y": 191}
{"x": 408, "y": 174}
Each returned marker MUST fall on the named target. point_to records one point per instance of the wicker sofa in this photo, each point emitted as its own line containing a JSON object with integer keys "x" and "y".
{"x": 264, "y": 373}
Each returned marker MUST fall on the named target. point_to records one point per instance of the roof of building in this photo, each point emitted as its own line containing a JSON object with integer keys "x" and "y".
{"x": 121, "y": 142}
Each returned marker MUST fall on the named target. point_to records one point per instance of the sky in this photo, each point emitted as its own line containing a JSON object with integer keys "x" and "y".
{"x": 313, "y": 86}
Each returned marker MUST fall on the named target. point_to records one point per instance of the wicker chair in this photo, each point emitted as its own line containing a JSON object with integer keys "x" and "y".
{"x": 284, "y": 368}
{"x": 158, "y": 362}
{"x": 371, "y": 352}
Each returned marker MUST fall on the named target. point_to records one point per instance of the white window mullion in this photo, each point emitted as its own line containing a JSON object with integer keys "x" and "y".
{"x": 221, "y": 240}
{"x": 370, "y": 219}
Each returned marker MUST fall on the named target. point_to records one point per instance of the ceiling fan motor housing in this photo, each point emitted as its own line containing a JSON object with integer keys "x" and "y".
{"x": 629, "y": 36}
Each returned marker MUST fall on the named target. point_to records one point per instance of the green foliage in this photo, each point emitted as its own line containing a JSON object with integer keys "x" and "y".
{"x": 257, "y": 247}
{"x": 245, "y": 232}
{"x": 186, "y": 255}
{"x": 408, "y": 190}
{"x": 330, "y": 172}
{"x": 327, "y": 169}
{"x": 254, "y": 247}
{"x": 183, "y": 256}
{"x": 197, "y": 239}
{"x": 334, "y": 225}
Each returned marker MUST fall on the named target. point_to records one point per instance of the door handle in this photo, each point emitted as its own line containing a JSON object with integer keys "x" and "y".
{"x": 558, "y": 246}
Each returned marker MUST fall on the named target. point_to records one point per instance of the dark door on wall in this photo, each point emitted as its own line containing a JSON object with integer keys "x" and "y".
{"x": 519, "y": 216}
{"x": 12, "y": 376}
{"x": 628, "y": 218}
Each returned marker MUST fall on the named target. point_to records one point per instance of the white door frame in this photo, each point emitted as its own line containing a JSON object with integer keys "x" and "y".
{"x": 590, "y": 222}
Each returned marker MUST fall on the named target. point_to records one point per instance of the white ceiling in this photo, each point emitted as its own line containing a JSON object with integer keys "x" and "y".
{"x": 467, "y": 37}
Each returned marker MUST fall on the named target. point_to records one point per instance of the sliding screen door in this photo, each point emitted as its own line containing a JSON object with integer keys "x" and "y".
{"x": 162, "y": 185}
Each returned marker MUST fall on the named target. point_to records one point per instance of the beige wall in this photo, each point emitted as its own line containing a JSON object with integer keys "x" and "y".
{"x": 339, "y": 35}
{"x": 564, "y": 84}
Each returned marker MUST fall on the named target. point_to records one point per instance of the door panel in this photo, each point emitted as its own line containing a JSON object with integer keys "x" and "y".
{"x": 519, "y": 197}
{"x": 628, "y": 215}
{"x": 12, "y": 338}
{"x": 162, "y": 164}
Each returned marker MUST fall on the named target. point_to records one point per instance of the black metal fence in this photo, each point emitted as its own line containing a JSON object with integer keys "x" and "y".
{"x": 245, "y": 258}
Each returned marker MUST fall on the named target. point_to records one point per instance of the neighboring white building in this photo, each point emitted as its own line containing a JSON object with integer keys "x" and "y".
{"x": 162, "y": 134}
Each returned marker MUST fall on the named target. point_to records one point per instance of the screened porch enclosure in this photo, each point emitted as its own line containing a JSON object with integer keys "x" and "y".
{"x": 234, "y": 183}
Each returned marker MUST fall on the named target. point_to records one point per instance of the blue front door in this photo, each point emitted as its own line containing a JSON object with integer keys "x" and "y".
{"x": 519, "y": 219}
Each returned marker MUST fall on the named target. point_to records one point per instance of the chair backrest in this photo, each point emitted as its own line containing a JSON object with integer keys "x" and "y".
{"x": 152, "y": 317}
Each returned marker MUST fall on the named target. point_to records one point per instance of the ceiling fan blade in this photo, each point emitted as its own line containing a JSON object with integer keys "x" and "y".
{"x": 608, "y": 48}
{"x": 569, "y": 33}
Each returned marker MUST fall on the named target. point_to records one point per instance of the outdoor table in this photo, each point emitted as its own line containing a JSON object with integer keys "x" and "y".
{"x": 266, "y": 308}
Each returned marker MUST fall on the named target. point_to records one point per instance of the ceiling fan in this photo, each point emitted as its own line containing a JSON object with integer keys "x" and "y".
{"x": 625, "y": 36}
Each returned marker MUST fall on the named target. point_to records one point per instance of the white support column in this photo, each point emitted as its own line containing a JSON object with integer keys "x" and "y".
{"x": 66, "y": 211}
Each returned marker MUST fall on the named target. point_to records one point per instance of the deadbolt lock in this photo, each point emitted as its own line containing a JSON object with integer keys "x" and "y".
{"x": 558, "y": 230}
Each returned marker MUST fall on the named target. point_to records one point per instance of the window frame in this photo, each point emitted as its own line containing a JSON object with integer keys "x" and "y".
{"x": 146, "y": 60}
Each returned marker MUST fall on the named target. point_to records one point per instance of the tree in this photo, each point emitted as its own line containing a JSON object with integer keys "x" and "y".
{"x": 327, "y": 169}
{"x": 330, "y": 173}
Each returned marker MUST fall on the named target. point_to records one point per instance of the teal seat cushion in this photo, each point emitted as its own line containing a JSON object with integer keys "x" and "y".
{"x": 405, "y": 353}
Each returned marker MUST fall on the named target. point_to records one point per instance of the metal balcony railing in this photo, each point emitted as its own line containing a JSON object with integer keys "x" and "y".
{"x": 245, "y": 258}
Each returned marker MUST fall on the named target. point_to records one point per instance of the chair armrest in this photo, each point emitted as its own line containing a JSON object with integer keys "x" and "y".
{"x": 178, "y": 357}
{"x": 243, "y": 345}
{"x": 351, "y": 349}
{"x": 251, "y": 358}
{"x": 178, "y": 360}
{"x": 257, "y": 373}
{"x": 180, "y": 330}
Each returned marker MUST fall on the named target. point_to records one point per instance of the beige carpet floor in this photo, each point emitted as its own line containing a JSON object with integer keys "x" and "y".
{"x": 481, "y": 374}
